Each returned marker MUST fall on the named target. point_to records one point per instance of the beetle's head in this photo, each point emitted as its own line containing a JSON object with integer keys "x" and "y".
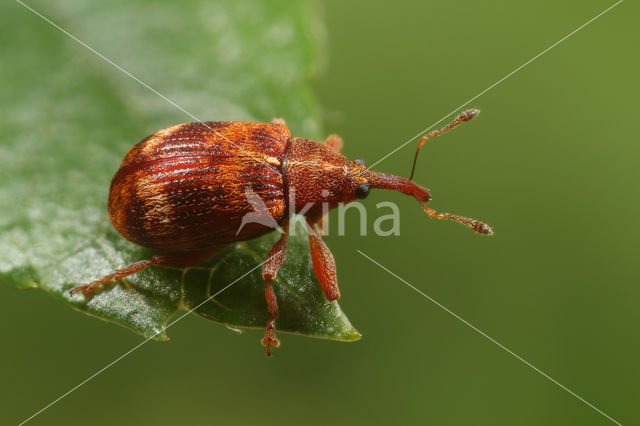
{"x": 360, "y": 180}
{"x": 320, "y": 179}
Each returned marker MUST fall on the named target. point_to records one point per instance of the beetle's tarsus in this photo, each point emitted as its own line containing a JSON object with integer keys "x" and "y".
{"x": 270, "y": 338}
{"x": 90, "y": 288}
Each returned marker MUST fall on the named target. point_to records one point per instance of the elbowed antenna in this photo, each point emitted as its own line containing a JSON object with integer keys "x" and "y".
{"x": 462, "y": 118}
{"x": 422, "y": 195}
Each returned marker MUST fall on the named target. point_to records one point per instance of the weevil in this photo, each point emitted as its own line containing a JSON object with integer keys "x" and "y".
{"x": 184, "y": 190}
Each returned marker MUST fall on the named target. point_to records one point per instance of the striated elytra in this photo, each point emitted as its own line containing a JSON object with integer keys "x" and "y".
{"x": 194, "y": 188}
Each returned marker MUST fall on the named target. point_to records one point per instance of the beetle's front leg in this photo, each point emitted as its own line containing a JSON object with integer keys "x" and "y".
{"x": 323, "y": 263}
{"x": 274, "y": 261}
{"x": 334, "y": 143}
{"x": 177, "y": 259}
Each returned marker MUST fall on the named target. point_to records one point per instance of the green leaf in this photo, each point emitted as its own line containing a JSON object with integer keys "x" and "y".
{"x": 68, "y": 117}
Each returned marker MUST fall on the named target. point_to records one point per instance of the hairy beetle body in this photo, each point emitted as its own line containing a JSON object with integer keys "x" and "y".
{"x": 191, "y": 189}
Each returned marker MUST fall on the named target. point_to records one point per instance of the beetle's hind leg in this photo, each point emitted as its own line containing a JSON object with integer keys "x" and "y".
{"x": 274, "y": 261}
{"x": 176, "y": 259}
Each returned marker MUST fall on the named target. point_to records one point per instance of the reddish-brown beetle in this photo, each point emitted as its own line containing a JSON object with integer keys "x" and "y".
{"x": 184, "y": 190}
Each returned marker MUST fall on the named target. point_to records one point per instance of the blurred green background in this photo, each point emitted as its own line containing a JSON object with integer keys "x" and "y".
{"x": 551, "y": 164}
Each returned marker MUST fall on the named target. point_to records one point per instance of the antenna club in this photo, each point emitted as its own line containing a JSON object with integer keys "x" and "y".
{"x": 482, "y": 228}
{"x": 469, "y": 114}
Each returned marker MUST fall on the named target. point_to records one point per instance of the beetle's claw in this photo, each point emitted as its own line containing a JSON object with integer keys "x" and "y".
{"x": 270, "y": 338}
{"x": 78, "y": 289}
{"x": 269, "y": 343}
{"x": 87, "y": 289}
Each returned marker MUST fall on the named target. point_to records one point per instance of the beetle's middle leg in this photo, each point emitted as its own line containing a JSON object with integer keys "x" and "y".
{"x": 177, "y": 259}
{"x": 274, "y": 261}
{"x": 323, "y": 263}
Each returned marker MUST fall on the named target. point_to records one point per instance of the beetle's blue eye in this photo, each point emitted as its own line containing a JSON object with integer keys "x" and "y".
{"x": 360, "y": 162}
{"x": 363, "y": 190}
